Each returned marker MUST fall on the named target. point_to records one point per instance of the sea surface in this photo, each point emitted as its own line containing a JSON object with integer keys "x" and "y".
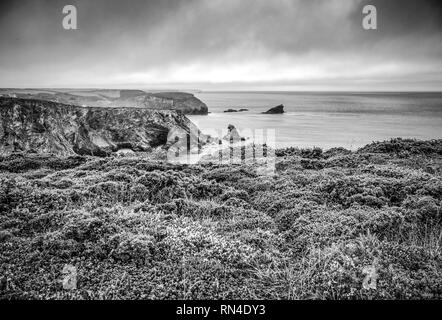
{"x": 325, "y": 120}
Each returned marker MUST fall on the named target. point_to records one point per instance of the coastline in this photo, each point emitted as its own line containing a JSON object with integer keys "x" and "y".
{"x": 328, "y": 119}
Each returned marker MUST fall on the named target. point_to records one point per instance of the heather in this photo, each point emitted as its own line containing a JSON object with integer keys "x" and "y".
{"x": 331, "y": 224}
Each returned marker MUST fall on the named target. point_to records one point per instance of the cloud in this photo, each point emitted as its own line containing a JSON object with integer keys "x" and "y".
{"x": 212, "y": 43}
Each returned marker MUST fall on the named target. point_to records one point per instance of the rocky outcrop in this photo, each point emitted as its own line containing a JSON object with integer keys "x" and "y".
{"x": 234, "y": 110}
{"x": 187, "y": 103}
{"x": 183, "y": 102}
{"x": 275, "y": 110}
{"x": 38, "y": 126}
{"x": 232, "y": 134}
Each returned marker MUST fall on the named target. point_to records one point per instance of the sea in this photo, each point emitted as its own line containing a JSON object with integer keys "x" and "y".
{"x": 325, "y": 119}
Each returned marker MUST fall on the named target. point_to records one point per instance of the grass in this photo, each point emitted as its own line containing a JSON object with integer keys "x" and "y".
{"x": 140, "y": 228}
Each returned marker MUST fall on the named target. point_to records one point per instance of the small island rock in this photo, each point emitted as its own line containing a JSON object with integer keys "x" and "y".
{"x": 275, "y": 110}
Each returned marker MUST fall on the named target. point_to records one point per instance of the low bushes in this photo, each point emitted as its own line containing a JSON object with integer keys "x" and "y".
{"x": 327, "y": 225}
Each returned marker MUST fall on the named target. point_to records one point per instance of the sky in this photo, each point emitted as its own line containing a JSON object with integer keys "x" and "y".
{"x": 244, "y": 45}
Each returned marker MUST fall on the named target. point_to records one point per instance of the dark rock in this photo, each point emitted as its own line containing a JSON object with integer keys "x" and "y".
{"x": 232, "y": 134}
{"x": 275, "y": 110}
{"x": 234, "y": 110}
{"x": 38, "y": 126}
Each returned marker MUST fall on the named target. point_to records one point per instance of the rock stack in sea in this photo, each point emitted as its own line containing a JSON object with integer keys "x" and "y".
{"x": 275, "y": 110}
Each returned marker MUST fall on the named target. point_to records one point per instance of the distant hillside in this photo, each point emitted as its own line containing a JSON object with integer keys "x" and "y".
{"x": 186, "y": 103}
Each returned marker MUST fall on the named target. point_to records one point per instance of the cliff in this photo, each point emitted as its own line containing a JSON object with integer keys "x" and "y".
{"x": 28, "y": 125}
{"x": 183, "y": 102}
{"x": 187, "y": 103}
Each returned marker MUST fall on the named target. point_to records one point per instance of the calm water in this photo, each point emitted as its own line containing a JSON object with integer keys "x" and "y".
{"x": 327, "y": 120}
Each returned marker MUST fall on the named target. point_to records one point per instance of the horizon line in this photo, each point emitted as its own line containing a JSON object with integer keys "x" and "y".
{"x": 196, "y": 90}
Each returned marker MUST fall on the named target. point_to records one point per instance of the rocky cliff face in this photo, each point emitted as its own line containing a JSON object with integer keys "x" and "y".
{"x": 187, "y": 103}
{"x": 183, "y": 102}
{"x": 28, "y": 125}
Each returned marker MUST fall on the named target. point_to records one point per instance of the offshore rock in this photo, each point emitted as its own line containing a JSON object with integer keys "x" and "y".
{"x": 232, "y": 134}
{"x": 275, "y": 110}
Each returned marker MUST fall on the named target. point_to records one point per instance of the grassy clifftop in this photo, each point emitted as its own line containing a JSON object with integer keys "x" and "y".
{"x": 335, "y": 225}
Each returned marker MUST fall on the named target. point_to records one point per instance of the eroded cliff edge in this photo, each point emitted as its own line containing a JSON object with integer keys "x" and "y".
{"x": 183, "y": 102}
{"x": 28, "y": 125}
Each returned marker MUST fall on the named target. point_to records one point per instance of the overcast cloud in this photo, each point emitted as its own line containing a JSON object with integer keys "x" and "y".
{"x": 222, "y": 45}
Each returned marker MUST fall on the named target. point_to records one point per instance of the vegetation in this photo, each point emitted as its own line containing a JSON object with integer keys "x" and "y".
{"x": 327, "y": 225}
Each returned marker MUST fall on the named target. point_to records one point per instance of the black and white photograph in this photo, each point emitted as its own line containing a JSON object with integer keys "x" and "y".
{"x": 222, "y": 150}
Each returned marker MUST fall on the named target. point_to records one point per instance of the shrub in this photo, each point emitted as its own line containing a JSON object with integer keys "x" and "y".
{"x": 5, "y": 235}
{"x": 84, "y": 227}
{"x": 134, "y": 248}
{"x": 337, "y": 272}
{"x": 142, "y": 229}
